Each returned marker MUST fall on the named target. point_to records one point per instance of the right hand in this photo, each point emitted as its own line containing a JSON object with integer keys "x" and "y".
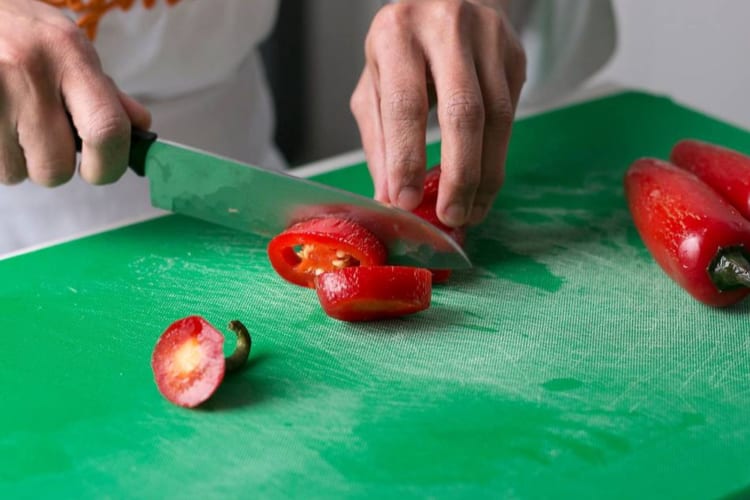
{"x": 465, "y": 56}
{"x": 49, "y": 69}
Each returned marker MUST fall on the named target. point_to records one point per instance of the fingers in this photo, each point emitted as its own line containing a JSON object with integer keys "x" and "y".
{"x": 501, "y": 72}
{"x": 45, "y": 135}
{"x": 95, "y": 107}
{"x": 478, "y": 74}
{"x": 12, "y": 161}
{"x": 462, "y": 119}
{"x": 102, "y": 124}
{"x": 403, "y": 107}
{"x": 468, "y": 54}
{"x": 37, "y": 141}
{"x": 366, "y": 110}
{"x": 495, "y": 138}
{"x": 45, "y": 77}
{"x": 140, "y": 117}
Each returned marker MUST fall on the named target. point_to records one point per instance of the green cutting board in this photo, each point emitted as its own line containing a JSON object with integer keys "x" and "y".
{"x": 565, "y": 364}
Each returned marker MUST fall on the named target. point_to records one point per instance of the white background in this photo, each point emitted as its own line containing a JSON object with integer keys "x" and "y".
{"x": 696, "y": 51}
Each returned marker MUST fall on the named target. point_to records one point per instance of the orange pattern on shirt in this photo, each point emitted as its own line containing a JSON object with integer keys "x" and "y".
{"x": 91, "y": 11}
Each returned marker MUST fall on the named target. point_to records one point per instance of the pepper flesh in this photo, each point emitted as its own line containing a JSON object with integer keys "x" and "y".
{"x": 725, "y": 170}
{"x": 315, "y": 246}
{"x": 188, "y": 360}
{"x": 687, "y": 227}
{"x": 377, "y": 292}
{"x": 431, "y": 184}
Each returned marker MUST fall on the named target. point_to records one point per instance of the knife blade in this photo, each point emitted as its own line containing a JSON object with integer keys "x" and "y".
{"x": 248, "y": 198}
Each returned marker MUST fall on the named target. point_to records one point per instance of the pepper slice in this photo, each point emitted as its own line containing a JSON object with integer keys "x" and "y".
{"x": 725, "y": 170}
{"x": 696, "y": 236}
{"x": 188, "y": 360}
{"x": 371, "y": 293}
{"x": 427, "y": 210}
{"x": 315, "y": 246}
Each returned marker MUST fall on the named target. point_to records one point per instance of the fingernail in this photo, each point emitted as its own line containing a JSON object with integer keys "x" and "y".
{"x": 455, "y": 215}
{"x": 408, "y": 198}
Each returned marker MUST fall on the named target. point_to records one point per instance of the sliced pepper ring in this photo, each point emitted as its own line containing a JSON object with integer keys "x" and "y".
{"x": 320, "y": 245}
{"x": 370, "y": 293}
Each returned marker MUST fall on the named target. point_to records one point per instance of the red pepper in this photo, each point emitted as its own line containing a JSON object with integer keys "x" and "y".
{"x": 725, "y": 170}
{"x": 427, "y": 210}
{"x": 698, "y": 238}
{"x": 431, "y": 184}
{"x": 315, "y": 246}
{"x": 370, "y": 293}
{"x": 429, "y": 213}
{"x": 188, "y": 360}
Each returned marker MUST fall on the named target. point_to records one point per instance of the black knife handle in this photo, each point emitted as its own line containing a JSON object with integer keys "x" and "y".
{"x": 140, "y": 141}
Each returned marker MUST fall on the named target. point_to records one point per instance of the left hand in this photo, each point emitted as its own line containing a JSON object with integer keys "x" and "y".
{"x": 465, "y": 55}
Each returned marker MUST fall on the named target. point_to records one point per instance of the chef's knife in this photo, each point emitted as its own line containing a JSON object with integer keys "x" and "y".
{"x": 198, "y": 184}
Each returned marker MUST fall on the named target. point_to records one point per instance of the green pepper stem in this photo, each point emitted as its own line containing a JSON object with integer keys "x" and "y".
{"x": 730, "y": 269}
{"x": 241, "y": 350}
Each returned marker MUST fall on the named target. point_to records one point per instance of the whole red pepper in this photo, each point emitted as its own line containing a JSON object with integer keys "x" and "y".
{"x": 697, "y": 237}
{"x": 725, "y": 170}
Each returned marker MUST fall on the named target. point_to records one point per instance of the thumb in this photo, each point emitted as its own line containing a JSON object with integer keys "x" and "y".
{"x": 139, "y": 116}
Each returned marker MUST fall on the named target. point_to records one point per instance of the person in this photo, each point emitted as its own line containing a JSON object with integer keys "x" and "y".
{"x": 110, "y": 65}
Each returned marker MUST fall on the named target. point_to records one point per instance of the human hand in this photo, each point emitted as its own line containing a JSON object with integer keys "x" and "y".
{"x": 464, "y": 54}
{"x": 48, "y": 69}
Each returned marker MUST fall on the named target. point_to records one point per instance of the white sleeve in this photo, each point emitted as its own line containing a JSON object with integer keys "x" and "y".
{"x": 566, "y": 43}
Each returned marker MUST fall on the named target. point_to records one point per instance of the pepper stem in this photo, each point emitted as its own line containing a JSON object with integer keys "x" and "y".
{"x": 730, "y": 269}
{"x": 241, "y": 350}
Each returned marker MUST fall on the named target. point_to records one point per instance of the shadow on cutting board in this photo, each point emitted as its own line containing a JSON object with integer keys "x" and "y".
{"x": 742, "y": 494}
{"x": 243, "y": 388}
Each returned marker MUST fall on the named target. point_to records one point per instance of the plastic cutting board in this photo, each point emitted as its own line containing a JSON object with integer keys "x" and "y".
{"x": 565, "y": 364}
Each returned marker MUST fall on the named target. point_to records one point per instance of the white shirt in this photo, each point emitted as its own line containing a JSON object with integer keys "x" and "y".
{"x": 209, "y": 91}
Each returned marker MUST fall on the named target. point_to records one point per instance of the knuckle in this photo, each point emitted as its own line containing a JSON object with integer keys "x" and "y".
{"x": 499, "y": 26}
{"x": 406, "y": 166}
{"x": 405, "y": 105}
{"x": 394, "y": 16}
{"x": 499, "y": 113}
{"x": 452, "y": 10}
{"x": 106, "y": 128}
{"x": 357, "y": 102}
{"x": 463, "y": 110}
{"x": 75, "y": 52}
{"x": 66, "y": 33}
{"x": 497, "y": 23}
{"x": 390, "y": 20}
{"x": 35, "y": 55}
{"x": 26, "y": 58}
{"x": 50, "y": 173}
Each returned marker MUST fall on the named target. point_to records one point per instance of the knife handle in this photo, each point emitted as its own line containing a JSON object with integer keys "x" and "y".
{"x": 140, "y": 141}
